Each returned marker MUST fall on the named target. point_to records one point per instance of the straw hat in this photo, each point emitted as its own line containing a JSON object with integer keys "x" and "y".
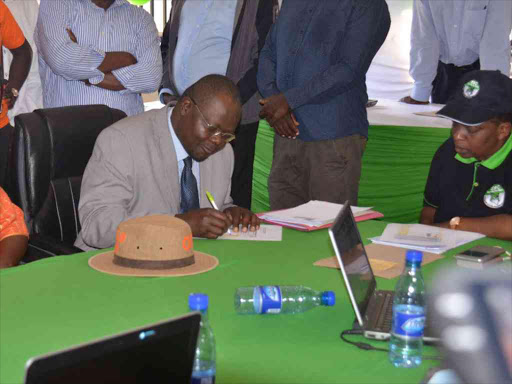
{"x": 153, "y": 246}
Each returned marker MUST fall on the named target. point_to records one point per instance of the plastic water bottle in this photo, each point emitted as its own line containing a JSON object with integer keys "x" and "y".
{"x": 280, "y": 299}
{"x": 406, "y": 344}
{"x": 203, "y": 371}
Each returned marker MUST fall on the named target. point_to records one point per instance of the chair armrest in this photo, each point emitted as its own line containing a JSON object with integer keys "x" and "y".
{"x": 40, "y": 247}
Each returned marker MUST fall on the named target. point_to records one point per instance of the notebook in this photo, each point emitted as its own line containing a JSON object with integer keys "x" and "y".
{"x": 158, "y": 353}
{"x": 373, "y": 308}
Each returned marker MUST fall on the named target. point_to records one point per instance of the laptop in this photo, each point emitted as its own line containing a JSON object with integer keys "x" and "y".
{"x": 158, "y": 353}
{"x": 373, "y": 308}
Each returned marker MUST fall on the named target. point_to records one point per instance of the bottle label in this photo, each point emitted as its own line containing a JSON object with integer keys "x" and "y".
{"x": 408, "y": 321}
{"x": 267, "y": 299}
{"x": 203, "y": 380}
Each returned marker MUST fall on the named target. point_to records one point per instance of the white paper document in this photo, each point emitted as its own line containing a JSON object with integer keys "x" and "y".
{"x": 265, "y": 233}
{"x": 314, "y": 214}
{"x": 424, "y": 237}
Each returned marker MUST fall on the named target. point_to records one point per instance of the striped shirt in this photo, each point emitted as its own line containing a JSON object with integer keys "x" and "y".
{"x": 62, "y": 63}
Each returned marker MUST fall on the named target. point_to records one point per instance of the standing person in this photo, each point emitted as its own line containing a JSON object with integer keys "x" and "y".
{"x": 312, "y": 74}
{"x": 220, "y": 37}
{"x": 12, "y": 38}
{"x": 451, "y": 38}
{"x": 97, "y": 52}
{"x": 30, "y": 96}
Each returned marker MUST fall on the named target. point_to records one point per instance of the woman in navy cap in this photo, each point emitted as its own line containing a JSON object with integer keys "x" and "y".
{"x": 469, "y": 186}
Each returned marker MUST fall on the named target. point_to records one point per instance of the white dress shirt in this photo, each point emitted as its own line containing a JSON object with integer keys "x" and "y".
{"x": 458, "y": 32}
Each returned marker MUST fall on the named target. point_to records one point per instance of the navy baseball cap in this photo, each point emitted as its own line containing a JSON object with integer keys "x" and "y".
{"x": 480, "y": 96}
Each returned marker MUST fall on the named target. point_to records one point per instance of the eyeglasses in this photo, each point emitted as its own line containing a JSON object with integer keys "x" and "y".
{"x": 213, "y": 130}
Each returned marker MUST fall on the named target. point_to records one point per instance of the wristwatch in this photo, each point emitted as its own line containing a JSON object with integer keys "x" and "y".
{"x": 15, "y": 92}
{"x": 454, "y": 222}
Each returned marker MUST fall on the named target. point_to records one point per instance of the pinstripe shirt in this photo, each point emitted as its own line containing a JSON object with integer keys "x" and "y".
{"x": 62, "y": 63}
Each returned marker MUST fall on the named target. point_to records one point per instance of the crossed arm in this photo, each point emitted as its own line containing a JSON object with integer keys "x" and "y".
{"x": 139, "y": 72}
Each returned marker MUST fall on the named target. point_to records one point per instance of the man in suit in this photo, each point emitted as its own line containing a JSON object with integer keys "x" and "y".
{"x": 222, "y": 37}
{"x": 163, "y": 162}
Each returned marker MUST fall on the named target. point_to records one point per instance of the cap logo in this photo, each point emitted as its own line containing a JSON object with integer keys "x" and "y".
{"x": 471, "y": 89}
{"x": 495, "y": 197}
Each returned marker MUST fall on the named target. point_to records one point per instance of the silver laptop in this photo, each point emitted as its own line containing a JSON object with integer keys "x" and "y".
{"x": 158, "y": 353}
{"x": 373, "y": 308}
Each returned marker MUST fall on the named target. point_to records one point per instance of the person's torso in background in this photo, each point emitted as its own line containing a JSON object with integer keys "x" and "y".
{"x": 30, "y": 98}
{"x": 204, "y": 40}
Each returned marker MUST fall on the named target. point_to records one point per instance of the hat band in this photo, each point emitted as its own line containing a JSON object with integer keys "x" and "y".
{"x": 154, "y": 264}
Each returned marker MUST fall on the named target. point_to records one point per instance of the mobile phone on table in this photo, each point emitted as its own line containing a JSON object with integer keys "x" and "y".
{"x": 480, "y": 253}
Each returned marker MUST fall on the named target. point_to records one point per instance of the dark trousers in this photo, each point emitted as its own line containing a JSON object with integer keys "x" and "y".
{"x": 5, "y": 137}
{"x": 447, "y": 79}
{"x": 243, "y": 147}
{"x": 315, "y": 170}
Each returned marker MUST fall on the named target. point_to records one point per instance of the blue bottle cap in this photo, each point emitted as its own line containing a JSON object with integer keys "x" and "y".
{"x": 414, "y": 256}
{"x": 328, "y": 298}
{"x": 198, "y": 301}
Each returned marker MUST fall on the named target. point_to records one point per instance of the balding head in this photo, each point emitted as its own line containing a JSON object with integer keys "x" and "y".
{"x": 207, "y": 115}
{"x": 207, "y": 88}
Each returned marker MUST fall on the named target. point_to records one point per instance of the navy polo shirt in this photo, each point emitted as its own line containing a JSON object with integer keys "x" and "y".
{"x": 468, "y": 187}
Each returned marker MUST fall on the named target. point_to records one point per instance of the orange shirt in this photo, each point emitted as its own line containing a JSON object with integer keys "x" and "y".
{"x": 11, "y": 37}
{"x": 12, "y": 220}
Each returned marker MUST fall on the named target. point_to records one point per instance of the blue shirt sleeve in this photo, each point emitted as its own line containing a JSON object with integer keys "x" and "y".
{"x": 145, "y": 76}
{"x": 424, "y": 50}
{"x": 266, "y": 77}
{"x": 66, "y": 58}
{"x": 495, "y": 42}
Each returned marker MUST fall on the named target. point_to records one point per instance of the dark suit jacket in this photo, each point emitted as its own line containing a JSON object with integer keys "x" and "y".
{"x": 133, "y": 172}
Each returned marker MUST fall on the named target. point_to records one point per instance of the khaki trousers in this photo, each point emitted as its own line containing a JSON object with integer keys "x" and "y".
{"x": 315, "y": 170}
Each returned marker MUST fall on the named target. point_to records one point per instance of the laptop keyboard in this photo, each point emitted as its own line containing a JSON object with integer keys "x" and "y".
{"x": 385, "y": 318}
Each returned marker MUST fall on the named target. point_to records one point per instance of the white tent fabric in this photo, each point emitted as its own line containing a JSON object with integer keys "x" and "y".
{"x": 388, "y": 76}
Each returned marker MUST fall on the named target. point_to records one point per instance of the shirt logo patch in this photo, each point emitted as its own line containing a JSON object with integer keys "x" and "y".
{"x": 471, "y": 89}
{"x": 495, "y": 197}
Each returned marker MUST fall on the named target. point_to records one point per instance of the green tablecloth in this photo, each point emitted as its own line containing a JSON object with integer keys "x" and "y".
{"x": 58, "y": 302}
{"x": 395, "y": 169}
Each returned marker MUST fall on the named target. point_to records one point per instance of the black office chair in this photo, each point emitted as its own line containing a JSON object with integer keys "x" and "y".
{"x": 49, "y": 153}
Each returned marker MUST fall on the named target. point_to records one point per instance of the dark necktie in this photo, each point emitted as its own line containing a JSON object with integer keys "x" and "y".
{"x": 189, "y": 194}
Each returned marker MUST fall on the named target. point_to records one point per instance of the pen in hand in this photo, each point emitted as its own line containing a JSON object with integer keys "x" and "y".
{"x": 214, "y": 206}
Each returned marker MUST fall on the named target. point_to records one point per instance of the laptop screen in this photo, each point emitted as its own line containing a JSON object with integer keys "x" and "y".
{"x": 353, "y": 260}
{"x": 160, "y": 353}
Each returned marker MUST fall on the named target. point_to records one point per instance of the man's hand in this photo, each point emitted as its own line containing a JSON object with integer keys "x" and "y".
{"x": 71, "y": 35}
{"x": 206, "y": 222}
{"x": 109, "y": 82}
{"x": 9, "y": 97}
{"x": 274, "y": 108}
{"x": 242, "y": 216}
{"x": 116, "y": 60}
{"x": 287, "y": 126}
{"x": 410, "y": 100}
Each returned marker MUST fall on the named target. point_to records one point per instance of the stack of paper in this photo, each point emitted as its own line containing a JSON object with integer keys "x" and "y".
{"x": 314, "y": 215}
{"x": 424, "y": 237}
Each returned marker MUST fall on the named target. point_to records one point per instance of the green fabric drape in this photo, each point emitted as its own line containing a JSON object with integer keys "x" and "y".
{"x": 395, "y": 169}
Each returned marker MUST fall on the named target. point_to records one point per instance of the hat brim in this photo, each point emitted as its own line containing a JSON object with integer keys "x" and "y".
{"x": 104, "y": 262}
{"x": 465, "y": 115}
